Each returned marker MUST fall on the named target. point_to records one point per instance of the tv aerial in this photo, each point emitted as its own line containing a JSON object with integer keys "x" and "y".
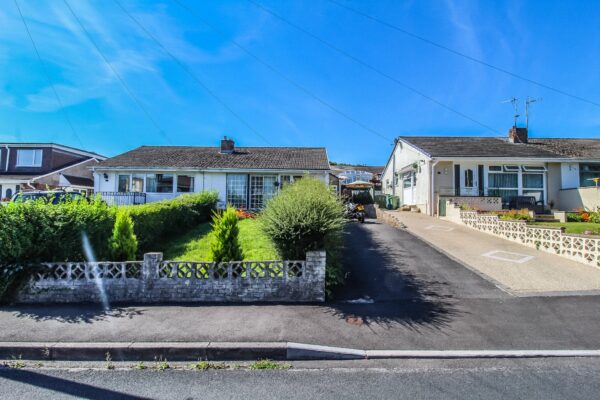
{"x": 515, "y": 103}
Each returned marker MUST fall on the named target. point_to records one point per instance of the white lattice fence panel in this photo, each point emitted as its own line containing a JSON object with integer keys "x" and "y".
{"x": 552, "y": 240}
{"x": 82, "y": 271}
{"x": 233, "y": 269}
{"x": 547, "y": 239}
{"x": 581, "y": 249}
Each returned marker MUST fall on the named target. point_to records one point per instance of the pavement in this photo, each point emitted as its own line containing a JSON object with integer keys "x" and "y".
{"x": 539, "y": 379}
{"x": 518, "y": 269}
{"x": 410, "y": 297}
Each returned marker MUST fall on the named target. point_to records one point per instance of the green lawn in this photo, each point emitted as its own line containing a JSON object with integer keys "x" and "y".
{"x": 195, "y": 245}
{"x": 573, "y": 227}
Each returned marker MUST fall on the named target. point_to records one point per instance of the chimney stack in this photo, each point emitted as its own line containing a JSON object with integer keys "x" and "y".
{"x": 227, "y": 146}
{"x": 517, "y": 135}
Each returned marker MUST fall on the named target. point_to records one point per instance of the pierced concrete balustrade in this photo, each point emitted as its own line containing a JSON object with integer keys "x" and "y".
{"x": 154, "y": 280}
{"x": 582, "y": 248}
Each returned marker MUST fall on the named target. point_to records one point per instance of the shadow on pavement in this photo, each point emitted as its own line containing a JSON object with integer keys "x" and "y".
{"x": 381, "y": 285}
{"x": 64, "y": 386}
{"x": 72, "y": 314}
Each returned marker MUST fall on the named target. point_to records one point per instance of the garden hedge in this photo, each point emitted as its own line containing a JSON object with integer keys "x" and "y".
{"x": 34, "y": 232}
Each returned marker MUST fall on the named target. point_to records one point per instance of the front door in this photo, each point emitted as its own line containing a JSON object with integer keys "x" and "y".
{"x": 408, "y": 188}
{"x": 469, "y": 182}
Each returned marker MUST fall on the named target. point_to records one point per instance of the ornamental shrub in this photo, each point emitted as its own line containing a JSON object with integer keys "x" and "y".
{"x": 225, "y": 245}
{"x": 306, "y": 216}
{"x": 123, "y": 244}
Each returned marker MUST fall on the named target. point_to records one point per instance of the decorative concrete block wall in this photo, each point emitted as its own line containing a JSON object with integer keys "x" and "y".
{"x": 154, "y": 280}
{"x": 582, "y": 248}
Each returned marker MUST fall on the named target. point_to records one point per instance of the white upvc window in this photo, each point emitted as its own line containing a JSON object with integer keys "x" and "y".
{"x": 29, "y": 157}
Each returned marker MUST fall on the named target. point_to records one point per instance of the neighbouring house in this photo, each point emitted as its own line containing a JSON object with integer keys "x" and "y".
{"x": 38, "y": 166}
{"x": 493, "y": 172}
{"x": 347, "y": 174}
{"x": 245, "y": 177}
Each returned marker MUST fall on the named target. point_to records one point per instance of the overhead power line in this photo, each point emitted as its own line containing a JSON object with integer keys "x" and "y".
{"x": 287, "y": 78}
{"x": 371, "y": 67}
{"x": 192, "y": 75}
{"x": 47, "y": 74}
{"x": 461, "y": 54}
{"x": 119, "y": 77}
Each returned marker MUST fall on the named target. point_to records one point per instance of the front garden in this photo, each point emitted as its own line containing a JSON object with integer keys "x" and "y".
{"x": 303, "y": 217}
{"x": 580, "y": 222}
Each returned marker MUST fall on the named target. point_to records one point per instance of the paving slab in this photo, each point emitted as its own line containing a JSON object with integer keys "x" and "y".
{"x": 519, "y": 269}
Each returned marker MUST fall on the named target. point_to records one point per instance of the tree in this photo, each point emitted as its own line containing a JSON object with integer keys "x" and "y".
{"x": 225, "y": 245}
{"x": 123, "y": 243}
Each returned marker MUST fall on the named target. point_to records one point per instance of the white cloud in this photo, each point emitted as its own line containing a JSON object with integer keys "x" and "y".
{"x": 82, "y": 73}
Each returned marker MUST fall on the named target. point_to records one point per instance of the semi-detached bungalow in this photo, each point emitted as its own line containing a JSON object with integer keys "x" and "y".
{"x": 245, "y": 177}
{"x": 491, "y": 172}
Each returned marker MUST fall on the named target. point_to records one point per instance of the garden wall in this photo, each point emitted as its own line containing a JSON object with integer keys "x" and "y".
{"x": 582, "y": 248}
{"x": 154, "y": 280}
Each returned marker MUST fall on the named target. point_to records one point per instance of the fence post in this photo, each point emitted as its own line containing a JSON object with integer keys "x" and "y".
{"x": 315, "y": 273}
{"x": 150, "y": 266}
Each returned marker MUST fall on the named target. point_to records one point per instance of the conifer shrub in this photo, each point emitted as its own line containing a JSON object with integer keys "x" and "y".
{"x": 225, "y": 245}
{"x": 123, "y": 243}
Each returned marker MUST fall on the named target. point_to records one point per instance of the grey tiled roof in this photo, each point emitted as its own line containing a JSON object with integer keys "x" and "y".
{"x": 296, "y": 158}
{"x": 465, "y": 146}
{"x": 79, "y": 180}
{"x": 571, "y": 147}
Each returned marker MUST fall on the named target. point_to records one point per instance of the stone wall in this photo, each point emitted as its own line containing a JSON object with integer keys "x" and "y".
{"x": 154, "y": 280}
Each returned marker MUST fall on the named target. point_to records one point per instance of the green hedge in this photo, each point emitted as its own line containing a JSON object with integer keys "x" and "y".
{"x": 34, "y": 232}
{"x": 154, "y": 223}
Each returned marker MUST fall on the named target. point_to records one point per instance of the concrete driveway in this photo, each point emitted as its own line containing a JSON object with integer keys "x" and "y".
{"x": 421, "y": 300}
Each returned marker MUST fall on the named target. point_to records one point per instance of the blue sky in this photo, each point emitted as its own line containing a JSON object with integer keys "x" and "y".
{"x": 553, "y": 42}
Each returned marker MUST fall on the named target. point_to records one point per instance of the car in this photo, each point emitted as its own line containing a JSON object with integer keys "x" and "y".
{"x": 51, "y": 196}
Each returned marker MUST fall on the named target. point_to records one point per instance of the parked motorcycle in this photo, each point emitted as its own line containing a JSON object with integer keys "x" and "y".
{"x": 355, "y": 211}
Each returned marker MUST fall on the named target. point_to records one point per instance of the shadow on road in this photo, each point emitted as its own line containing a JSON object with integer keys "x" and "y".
{"x": 72, "y": 314}
{"x": 64, "y": 386}
{"x": 382, "y": 286}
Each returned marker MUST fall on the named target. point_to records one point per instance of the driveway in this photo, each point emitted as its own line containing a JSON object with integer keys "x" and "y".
{"x": 387, "y": 264}
{"x": 421, "y": 299}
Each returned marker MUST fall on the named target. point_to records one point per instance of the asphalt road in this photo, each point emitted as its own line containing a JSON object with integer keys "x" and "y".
{"x": 421, "y": 300}
{"x": 545, "y": 380}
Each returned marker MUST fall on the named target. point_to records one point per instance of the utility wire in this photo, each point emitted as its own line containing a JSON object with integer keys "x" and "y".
{"x": 121, "y": 80}
{"x": 466, "y": 56}
{"x": 371, "y": 67}
{"x": 285, "y": 77}
{"x": 192, "y": 75}
{"x": 45, "y": 69}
